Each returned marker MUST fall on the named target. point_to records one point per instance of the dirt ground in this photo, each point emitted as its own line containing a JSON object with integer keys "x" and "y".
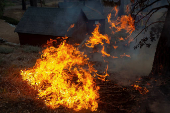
{"x": 7, "y": 32}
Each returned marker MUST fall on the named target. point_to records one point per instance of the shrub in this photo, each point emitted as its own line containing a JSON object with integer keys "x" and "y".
{"x": 2, "y": 7}
{"x": 31, "y": 49}
{"x": 10, "y": 20}
{"x": 6, "y": 50}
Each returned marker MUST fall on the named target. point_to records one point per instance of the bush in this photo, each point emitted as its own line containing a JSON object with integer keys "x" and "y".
{"x": 6, "y": 50}
{"x": 31, "y": 49}
{"x": 9, "y": 20}
{"x": 2, "y": 7}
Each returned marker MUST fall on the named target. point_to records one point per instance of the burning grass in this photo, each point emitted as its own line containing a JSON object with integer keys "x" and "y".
{"x": 60, "y": 78}
{"x": 64, "y": 78}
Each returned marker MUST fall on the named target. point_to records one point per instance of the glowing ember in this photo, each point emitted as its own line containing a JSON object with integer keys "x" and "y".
{"x": 121, "y": 39}
{"x": 97, "y": 38}
{"x": 115, "y": 47}
{"x": 124, "y": 55}
{"x": 130, "y": 40}
{"x": 103, "y": 78}
{"x": 71, "y": 26}
{"x": 140, "y": 89}
{"x": 127, "y": 8}
{"x": 63, "y": 76}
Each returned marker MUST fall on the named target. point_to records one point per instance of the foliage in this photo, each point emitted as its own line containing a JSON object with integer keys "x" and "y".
{"x": 6, "y": 50}
{"x": 2, "y": 7}
{"x": 109, "y": 3}
{"x": 141, "y": 6}
{"x": 10, "y": 20}
{"x": 31, "y": 49}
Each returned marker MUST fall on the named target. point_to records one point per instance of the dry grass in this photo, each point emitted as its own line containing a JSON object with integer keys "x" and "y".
{"x": 17, "y": 96}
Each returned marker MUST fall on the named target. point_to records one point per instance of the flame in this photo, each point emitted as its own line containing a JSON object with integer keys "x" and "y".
{"x": 121, "y": 39}
{"x": 124, "y": 22}
{"x": 114, "y": 57}
{"x": 127, "y": 8}
{"x": 130, "y": 40}
{"x": 71, "y": 26}
{"x": 103, "y": 78}
{"x": 124, "y": 55}
{"x": 116, "y": 10}
{"x": 97, "y": 38}
{"x": 104, "y": 53}
{"x": 115, "y": 47}
{"x": 140, "y": 89}
{"x": 63, "y": 76}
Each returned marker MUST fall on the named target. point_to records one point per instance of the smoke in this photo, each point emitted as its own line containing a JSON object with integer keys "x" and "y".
{"x": 160, "y": 106}
{"x": 125, "y": 70}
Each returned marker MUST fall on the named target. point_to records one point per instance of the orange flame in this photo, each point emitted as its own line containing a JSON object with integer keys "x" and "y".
{"x": 116, "y": 10}
{"x": 104, "y": 53}
{"x": 124, "y": 55}
{"x": 121, "y": 39}
{"x": 114, "y": 57}
{"x": 60, "y": 78}
{"x": 130, "y": 40}
{"x": 127, "y": 8}
{"x": 103, "y": 77}
{"x": 123, "y": 22}
{"x": 71, "y": 26}
{"x": 97, "y": 38}
{"x": 140, "y": 89}
{"x": 115, "y": 47}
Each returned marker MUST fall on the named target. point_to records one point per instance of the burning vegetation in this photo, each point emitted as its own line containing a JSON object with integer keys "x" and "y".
{"x": 64, "y": 76}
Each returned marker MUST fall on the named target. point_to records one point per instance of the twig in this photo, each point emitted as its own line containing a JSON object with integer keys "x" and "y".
{"x": 146, "y": 7}
{"x": 147, "y": 27}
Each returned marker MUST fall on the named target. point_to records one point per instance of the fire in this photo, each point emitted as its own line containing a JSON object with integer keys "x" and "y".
{"x": 140, "y": 89}
{"x": 124, "y": 22}
{"x": 127, "y": 8}
{"x": 115, "y": 47}
{"x": 116, "y": 10}
{"x": 64, "y": 76}
{"x": 124, "y": 55}
{"x": 97, "y": 38}
{"x": 121, "y": 39}
{"x": 71, "y": 26}
{"x": 103, "y": 78}
{"x": 104, "y": 53}
{"x": 130, "y": 40}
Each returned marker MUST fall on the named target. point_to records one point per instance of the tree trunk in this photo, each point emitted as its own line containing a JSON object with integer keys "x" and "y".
{"x": 23, "y": 5}
{"x": 33, "y": 3}
{"x": 161, "y": 65}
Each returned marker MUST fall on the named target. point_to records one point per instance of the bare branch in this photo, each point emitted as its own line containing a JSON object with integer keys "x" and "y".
{"x": 150, "y": 16}
{"x": 146, "y": 7}
{"x": 147, "y": 27}
{"x": 156, "y": 9}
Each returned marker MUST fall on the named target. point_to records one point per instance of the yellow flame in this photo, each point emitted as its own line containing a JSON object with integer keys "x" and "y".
{"x": 97, "y": 38}
{"x": 60, "y": 78}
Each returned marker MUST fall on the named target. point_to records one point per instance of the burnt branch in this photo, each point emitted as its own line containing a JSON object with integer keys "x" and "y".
{"x": 156, "y": 9}
{"x": 145, "y": 7}
{"x": 147, "y": 27}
